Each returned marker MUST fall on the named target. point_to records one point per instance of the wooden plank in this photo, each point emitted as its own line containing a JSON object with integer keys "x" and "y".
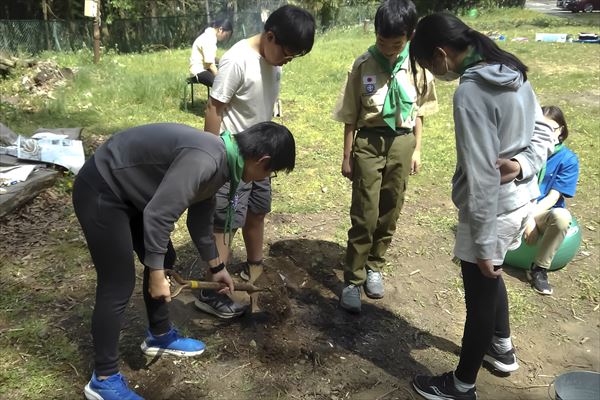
{"x": 18, "y": 194}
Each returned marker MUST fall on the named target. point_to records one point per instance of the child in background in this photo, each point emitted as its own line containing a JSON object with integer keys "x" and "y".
{"x": 203, "y": 61}
{"x": 243, "y": 94}
{"x": 551, "y": 220}
{"x": 383, "y": 124}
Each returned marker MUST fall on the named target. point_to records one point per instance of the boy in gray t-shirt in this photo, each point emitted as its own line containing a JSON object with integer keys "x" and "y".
{"x": 243, "y": 94}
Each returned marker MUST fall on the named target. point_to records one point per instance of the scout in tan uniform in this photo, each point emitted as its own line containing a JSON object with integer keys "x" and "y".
{"x": 383, "y": 122}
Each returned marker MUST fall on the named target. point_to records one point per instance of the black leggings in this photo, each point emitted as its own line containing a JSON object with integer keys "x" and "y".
{"x": 487, "y": 315}
{"x": 113, "y": 231}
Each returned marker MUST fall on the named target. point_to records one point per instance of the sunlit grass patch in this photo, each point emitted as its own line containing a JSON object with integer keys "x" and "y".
{"x": 588, "y": 287}
{"x": 522, "y": 304}
{"x": 438, "y": 220}
{"x": 28, "y": 377}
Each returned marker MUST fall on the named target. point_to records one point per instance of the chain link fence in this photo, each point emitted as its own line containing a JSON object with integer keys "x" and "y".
{"x": 33, "y": 36}
{"x": 146, "y": 34}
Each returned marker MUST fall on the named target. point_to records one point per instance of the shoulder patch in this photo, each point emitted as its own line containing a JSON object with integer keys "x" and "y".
{"x": 369, "y": 79}
{"x": 361, "y": 59}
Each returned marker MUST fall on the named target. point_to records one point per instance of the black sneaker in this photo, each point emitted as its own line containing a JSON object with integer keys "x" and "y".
{"x": 441, "y": 388}
{"x": 539, "y": 280}
{"x": 219, "y": 304}
{"x": 506, "y": 362}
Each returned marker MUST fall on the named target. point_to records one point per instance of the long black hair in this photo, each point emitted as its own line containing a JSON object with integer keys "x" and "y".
{"x": 444, "y": 29}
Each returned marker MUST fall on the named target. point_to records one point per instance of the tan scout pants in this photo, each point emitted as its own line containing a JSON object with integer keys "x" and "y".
{"x": 381, "y": 166}
{"x": 553, "y": 226}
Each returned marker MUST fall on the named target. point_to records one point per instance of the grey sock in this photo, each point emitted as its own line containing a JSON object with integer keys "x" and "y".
{"x": 462, "y": 386}
{"x": 502, "y": 345}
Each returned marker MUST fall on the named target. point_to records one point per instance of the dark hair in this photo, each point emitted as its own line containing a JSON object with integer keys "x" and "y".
{"x": 554, "y": 113}
{"x": 268, "y": 139}
{"x": 293, "y": 28}
{"x": 395, "y": 18}
{"x": 444, "y": 29}
{"x": 224, "y": 23}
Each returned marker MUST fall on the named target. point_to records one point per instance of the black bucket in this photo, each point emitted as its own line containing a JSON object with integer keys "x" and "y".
{"x": 577, "y": 385}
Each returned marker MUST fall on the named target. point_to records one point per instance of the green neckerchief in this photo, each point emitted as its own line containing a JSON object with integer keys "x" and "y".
{"x": 472, "y": 58}
{"x": 235, "y": 162}
{"x": 542, "y": 172}
{"x": 396, "y": 95}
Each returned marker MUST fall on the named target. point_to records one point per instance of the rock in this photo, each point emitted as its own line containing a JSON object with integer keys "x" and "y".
{"x": 67, "y": 73}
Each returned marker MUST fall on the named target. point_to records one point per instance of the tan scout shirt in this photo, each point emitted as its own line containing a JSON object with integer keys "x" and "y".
{"x": 363, "y": 94}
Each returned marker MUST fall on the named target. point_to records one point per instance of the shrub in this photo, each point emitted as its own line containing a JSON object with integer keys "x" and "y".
{"x": 426, "y": 6}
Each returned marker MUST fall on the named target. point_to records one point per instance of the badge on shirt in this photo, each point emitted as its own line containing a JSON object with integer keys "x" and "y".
{"x": 369, "y": 82}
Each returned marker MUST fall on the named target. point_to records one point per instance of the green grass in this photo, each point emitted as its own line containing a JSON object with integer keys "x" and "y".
{"x": 522, "y": 304}
{"x": 127, "y": 90}
{"x": 588, "y": 285}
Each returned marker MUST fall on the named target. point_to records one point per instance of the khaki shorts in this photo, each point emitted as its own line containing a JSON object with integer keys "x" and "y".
{"x": 254, "y": 196}
{"x": 509, "y": 227}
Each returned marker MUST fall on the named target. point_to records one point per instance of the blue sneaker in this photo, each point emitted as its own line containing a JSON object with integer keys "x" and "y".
{"x": 112, "y": 388}
{"x": 172, "y": 343}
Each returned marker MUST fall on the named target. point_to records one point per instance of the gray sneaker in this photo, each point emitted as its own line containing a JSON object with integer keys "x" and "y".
{"x": 374, "y": 285}
{"x": 218, "y": 304}
{"x": 350, "y": 299}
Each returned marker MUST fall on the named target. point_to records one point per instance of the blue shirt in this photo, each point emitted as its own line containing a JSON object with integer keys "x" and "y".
{"x": 562, "y": 172}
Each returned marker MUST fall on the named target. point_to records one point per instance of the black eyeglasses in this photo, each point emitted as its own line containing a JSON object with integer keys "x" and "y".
{"x": 287, "y": 56}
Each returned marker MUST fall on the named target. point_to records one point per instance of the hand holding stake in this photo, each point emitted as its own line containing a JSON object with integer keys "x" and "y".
{"x": 178, "y": 284}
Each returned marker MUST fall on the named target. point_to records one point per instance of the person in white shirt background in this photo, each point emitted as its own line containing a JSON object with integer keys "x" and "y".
{"x": 203, "y": 60}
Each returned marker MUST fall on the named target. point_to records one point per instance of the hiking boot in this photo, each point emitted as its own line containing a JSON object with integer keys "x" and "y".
{"x": 112, "y": 388}
{"x": 441, "y": 388}
{"x": 374, "y": 285}
{"x": 219, "y": 304}
{"x": 350, "y": 298}
{"x": 245, "y": 272}
{"x": 539, "y": 280}
{"x": 172, "y": 343}
{"x": 503, "y": 362}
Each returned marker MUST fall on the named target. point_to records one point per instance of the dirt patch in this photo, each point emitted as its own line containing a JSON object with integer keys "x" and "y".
{"x": 302, "y": 346}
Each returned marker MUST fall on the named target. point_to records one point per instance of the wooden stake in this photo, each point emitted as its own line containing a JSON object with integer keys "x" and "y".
{"x": 97, "y": 34}
{"x": 255, "y": 271}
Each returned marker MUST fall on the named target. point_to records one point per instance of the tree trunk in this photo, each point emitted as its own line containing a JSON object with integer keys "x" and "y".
{"x": 234, "y": 4}
{"x": 97, "y": 34}
{"x": 46, "y": 30}
{"x": 154, "y": 24}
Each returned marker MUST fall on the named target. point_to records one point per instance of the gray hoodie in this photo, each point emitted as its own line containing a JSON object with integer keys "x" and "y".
{"x": 162, "y": 170}
{"x": 496, "y": 115}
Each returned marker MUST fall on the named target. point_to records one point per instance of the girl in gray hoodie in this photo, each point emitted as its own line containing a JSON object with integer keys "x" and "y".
{"x": 498, "y": 124}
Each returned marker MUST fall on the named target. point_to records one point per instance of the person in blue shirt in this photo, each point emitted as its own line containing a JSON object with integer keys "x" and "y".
{"x": 551, "y": 219}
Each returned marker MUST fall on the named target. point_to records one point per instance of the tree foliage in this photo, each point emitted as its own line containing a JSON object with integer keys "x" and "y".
{"x": 325, "y": 11}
